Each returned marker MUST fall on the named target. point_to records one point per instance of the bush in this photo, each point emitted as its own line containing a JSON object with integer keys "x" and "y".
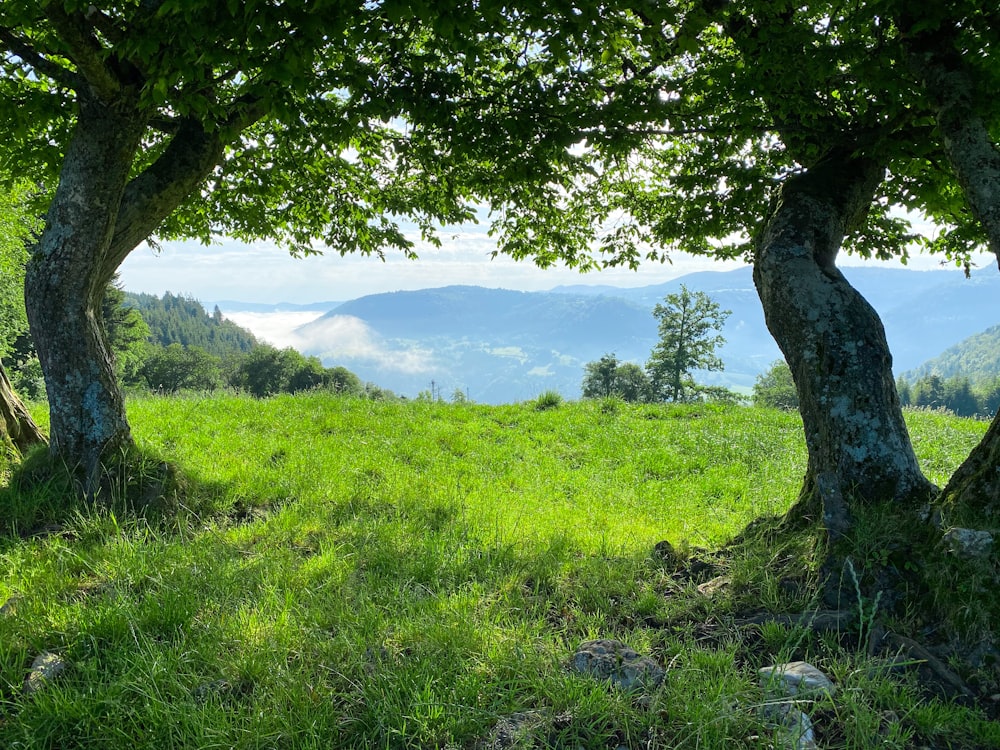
{"x": 548, "y": 400}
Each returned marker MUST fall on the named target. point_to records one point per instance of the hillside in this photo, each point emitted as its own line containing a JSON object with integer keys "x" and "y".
{"x": 506, "y": 346}
{"x": 976, "y": 358}
{"x": 173, "y": 319}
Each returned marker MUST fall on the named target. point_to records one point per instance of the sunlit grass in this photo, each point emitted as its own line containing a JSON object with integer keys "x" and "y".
{"x": 344, "y": 573}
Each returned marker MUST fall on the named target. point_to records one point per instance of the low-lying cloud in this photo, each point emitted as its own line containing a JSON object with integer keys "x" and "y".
{"x": 345, "y": 337}
{"x": 336, "y": 340}
{"x": 275, "y": 328}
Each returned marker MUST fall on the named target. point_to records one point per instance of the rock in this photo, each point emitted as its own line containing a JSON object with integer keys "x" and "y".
{"x": 968, "y": 543}
{"x": 710, "y": 588}
{"x": 516, "y": 730}
{"x": 46, "y": 667}
{"x": 222, "y": 689}
{"x": 796, "y": 678}
{"x": 617, "y": 663}
{"x": 665, "y": 552}
{"x": 794, "y": 727}
{"x": 9, "y": 607}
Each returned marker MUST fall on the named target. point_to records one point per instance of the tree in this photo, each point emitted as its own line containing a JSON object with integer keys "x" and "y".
{"x": 341, "y": 380}
{"x": 902, "y": 388}
{"x": 928, "y": 392}
{"x": 126, "y": 331}
{"x": 608, "y": 376}
{"x": 267, "y": 371}
{"x": 959, "y": 398}
{"x": 297, "y": 122}
{"x": 17, "y": 429}
{"x": 742, "y": 157}
{"x": 776, "y": 388}
{"x": 686, "y": 321}
{"x": 600, "y": 376}
{"x": 631, "y": 382}
{"x": 990, "y": 398}
{"x": 176, "y": 367}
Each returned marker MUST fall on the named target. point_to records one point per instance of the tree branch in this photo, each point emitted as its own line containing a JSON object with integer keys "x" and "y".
{"x": 104, "y": 24}
{"x": 187, "y": 161}
{"x": 23, "y": 49}
{"x": 85, "y": 51}
{"x": 951, "y": 87}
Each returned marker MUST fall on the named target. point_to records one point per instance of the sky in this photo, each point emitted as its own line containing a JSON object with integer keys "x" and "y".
{"x": 265, "y": 273}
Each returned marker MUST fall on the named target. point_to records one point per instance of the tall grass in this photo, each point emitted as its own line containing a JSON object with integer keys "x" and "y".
{"x": 346, "y": 573}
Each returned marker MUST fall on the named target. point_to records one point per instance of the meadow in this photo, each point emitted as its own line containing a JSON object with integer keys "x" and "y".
{"x": 335, "y": 572}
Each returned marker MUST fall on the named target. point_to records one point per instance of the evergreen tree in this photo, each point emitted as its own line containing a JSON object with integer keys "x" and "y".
{"x": 959, "y": 398}
{"x": 928, "y": 392}
{"x": 903, "y": 389}
{"x": 126, "y": 331}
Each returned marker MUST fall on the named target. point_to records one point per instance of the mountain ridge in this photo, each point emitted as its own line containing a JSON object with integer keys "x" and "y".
{"x": 504, "y": 345}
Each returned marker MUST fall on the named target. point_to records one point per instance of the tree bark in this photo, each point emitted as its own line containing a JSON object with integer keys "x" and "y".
{"x": 16, "y": 425}
{"x": 975, "y": 159}
{"x": 859, "y": 450}
{"x": 65, "y": 282}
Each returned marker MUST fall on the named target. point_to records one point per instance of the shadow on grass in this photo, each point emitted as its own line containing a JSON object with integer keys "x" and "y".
{"x": 43, "y": 495}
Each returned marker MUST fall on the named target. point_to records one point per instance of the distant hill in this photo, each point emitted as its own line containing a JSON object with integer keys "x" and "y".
{"x": 173, "y": 319}
{"x": 503, "y": 345}
{"x": 267, "y": 307}
{"x": 976, "y": 358}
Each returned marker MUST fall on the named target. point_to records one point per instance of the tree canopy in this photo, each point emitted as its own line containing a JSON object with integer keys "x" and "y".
{"x": 306, "y": 123}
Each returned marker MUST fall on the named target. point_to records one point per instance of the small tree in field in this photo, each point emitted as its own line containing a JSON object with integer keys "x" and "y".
{"x": 608, "y": 376}
{"x": 775, "y": 388}
{"x": 687, "y": 342}
{"x": 599, "y": 377}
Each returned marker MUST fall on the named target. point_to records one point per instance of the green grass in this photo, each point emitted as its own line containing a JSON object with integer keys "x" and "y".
{"x": 344, "y": 573}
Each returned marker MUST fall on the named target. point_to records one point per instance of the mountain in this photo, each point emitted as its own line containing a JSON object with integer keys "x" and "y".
{"x": 265, "y": 307}
{"x": 503, "y": 345}
{"x": 922, "y": 325}
{"x": 498, "y": 345}
{"x": 976, "y": 358}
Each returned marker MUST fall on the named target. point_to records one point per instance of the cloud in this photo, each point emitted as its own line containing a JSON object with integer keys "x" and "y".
{"x": 276, "y": 328}
{"x": 333, "y": 340}
{"x": 345, "y": 337}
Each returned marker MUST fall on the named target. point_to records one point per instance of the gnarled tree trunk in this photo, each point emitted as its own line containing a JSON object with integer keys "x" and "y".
{"x": 975, "y": 159}
{"x": 17, "y": 428}
{"x": 65, "y": 281}
{"x": 858, "y": 446}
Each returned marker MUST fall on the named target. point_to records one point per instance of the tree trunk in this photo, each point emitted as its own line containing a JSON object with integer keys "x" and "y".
{"x": 17, "y": 427}
{"x": 976, "y": 483}
{"x": 975, "y": 159}
{"x": 65, "y": 281}
{"x": 858, "y": 446}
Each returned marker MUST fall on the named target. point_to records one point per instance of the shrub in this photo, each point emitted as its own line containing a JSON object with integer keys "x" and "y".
{"x": 548, "y": 400}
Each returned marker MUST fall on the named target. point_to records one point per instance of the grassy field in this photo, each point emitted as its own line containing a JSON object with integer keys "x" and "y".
{"x": 345, "y": 573}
